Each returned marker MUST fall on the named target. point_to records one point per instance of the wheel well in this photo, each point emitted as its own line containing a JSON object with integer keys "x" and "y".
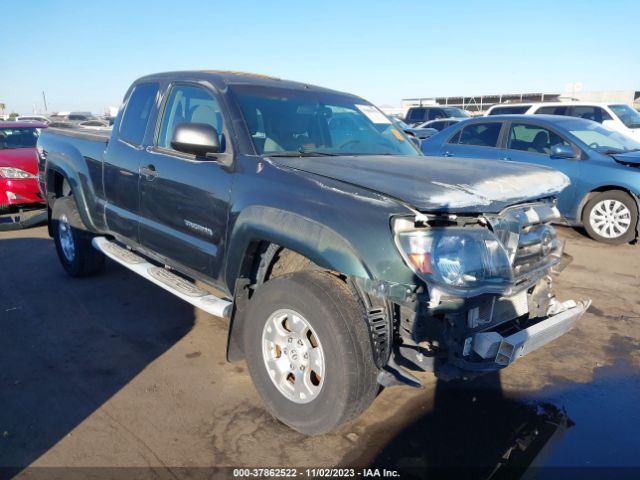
{"x": 604, "y": 188}
{"x": 265, "y": 260}
{"x": 60, "y": 188}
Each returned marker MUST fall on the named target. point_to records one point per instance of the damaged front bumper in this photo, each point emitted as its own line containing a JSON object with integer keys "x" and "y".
{"x": 499, "y": 351}
{"x": 477, "y": 353}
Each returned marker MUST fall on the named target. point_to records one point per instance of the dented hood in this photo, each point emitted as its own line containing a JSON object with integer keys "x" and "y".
{"x": 432, "y": 184}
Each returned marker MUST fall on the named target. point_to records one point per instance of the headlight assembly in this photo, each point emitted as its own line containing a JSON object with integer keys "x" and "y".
{"x": 14, "y": 173}
{"x": 456, "y": 257}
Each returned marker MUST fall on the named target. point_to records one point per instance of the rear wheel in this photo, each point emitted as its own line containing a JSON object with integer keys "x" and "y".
{"x": 308, "y": 351}
{"x": 73, "y": 242}
{"x": 611, "y": 217}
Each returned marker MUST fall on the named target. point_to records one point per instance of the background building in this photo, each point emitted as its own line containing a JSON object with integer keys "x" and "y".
{"x": 477, "y": 105}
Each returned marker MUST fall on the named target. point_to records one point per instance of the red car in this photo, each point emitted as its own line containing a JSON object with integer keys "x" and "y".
{"x": 19, "y": 165}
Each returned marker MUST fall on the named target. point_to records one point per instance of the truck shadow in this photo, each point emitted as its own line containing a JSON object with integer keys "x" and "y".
{"x": 473, "y": 431}
{"x": 68, "y": 345}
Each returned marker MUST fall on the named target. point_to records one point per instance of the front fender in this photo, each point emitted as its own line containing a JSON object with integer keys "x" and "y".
{"x": 319, "y": 243}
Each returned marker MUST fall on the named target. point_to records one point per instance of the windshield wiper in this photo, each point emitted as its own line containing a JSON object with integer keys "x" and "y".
{"x": 617, "y": 151}
{"x": 301, "y": 154}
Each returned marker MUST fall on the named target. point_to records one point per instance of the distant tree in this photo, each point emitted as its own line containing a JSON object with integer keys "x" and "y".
{"x": 2, "y": 107}
{"x": 14, "y": 115}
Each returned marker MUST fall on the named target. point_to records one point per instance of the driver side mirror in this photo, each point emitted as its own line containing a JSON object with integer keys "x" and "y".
{"x": 200, "y": 139}
{"x": 561, "y": 150}
{"x": 610, "y": 124}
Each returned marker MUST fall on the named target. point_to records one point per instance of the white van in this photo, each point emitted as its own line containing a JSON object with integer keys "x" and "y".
{"x": 615, "y": 116}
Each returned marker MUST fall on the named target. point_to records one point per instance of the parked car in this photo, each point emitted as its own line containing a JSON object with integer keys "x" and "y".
{"x": 19, "y": 165}
{"x": 94, "y": 124}
{"x": 615, "y": 116}
{"x": 603, "y": 165}
{"x": 337, "y": 251}
{"x": 510, "y": 109}
{"x": 441, "y": 123}
{"x": 417, "y": 115}
{"x": 417, "y": 132}
{"x": 34, "y": 118}
{"x": 72, "y": 117}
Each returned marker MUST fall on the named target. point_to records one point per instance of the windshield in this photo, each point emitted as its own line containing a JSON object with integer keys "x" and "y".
{"x": 602, "y": 139}
{"x": 21, "y": 137}
{"x": 307, "y": 122}
{"x": 628, "y": 116}
{"x": 455, "y": 112}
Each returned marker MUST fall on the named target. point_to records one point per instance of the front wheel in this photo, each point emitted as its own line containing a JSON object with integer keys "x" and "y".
{"x": 611, "y": 217}
{"x": 308, "y": 351}
{"x": 73, "y": 241}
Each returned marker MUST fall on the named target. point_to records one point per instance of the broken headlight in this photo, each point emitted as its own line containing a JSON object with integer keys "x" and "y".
{"x": 456, "y": 257}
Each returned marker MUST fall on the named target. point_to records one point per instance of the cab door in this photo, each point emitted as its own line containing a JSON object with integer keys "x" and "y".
{"x": 184, "y": 199}
{"x": 124, "y": 154}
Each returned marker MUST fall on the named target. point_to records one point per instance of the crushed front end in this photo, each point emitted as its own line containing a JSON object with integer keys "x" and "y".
{"x": 486, "y": 298}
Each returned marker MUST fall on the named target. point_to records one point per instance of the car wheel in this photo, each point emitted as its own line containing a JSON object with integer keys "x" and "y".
{"x": 611, "y": 217}
{"x": 308, "y": 351}
{"x": 73, "y": 241}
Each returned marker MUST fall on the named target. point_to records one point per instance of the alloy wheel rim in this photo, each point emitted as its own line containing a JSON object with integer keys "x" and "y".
{"x": 293, "y": 356}
{"x": 66, "y": 238}
{"x": 610, "y": 218}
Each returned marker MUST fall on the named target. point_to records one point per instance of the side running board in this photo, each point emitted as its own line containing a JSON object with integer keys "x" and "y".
{"x": 162, "y": 277}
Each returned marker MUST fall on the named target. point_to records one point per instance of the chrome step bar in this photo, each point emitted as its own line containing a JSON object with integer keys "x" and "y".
{"x": 164, "y": 278}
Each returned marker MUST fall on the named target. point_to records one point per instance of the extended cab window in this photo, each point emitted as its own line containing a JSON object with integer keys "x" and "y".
{"x": 190, "y": 104}
{"x": 478, "y": 134}
{"x": 532, "y": 138}
{"x": 136, "y": 114}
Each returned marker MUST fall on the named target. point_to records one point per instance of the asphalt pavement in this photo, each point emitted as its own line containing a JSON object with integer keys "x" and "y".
{"x": 108, "y": 372}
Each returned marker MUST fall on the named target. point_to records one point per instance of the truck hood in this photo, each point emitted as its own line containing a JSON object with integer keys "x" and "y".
{"x": 631, "y": 159}
{"x": 22, "y": 158}
{"x": 435, "y": 184}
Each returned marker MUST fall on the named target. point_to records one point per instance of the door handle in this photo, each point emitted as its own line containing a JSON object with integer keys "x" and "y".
{"x": 447, "y": 154}
{"x": 149, "y": 172}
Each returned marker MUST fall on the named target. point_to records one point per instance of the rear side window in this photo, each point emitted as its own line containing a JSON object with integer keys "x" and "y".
{"x": 136, "y": 114}
{"x": 435, "y": 113}
{"x": 559, "y": 110}
{"x": 509, "y": 110}
{"x": 478, "y": 134}
{"x": 416, "y": 115}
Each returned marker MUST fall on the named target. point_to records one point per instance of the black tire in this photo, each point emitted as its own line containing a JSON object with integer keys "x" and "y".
{"x": 616, "y": 196}
{"x": 85, "y": 260}
{"x": 350, "y": 375}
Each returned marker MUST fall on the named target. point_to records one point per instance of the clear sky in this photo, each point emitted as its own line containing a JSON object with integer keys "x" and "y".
{"x": 85, "y": 53}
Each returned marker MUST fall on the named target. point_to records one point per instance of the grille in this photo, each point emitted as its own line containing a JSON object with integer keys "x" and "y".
{"x": 529, "y": 238}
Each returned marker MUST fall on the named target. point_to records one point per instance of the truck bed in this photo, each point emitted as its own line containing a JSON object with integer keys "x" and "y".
{"x": 83, "y": 133}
